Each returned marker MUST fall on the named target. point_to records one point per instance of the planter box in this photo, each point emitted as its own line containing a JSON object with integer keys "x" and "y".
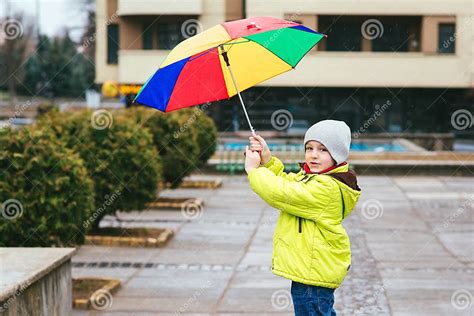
{"x": 132, "y": 237}
{"x": 201, "y": 184}
{"x": 175, "y": 203}
{"x": 94, "y": 293}
{"x": 194, "y": 184}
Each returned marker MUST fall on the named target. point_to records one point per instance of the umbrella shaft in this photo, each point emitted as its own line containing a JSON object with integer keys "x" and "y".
{"x": 240, "y": 98}
{"x": 226, "y": 59}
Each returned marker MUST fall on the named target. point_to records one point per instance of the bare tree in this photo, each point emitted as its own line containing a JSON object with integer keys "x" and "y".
{"x": 89, "y": 50}
{"x": 16, "y": 34}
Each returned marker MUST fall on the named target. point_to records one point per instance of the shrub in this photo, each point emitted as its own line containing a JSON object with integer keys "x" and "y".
{"x": 44, "y": 108}
{"x": 179, "y": 154}
{"x": 45, "y": 189}
{"x": 204, "y": 130}
{"x": 119, "y": 156}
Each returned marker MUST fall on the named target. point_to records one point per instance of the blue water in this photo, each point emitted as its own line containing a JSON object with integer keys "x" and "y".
{"x": 379, "y": 147}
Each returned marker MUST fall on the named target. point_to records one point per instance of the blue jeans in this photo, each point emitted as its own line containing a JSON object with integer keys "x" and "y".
{"x": 309, "y": 300}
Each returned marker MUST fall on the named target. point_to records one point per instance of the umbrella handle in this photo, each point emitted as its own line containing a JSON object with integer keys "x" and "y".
{"x": 226, "y": 59}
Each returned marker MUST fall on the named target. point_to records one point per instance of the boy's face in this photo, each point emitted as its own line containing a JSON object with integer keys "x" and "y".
{"x": 317, "y": 157}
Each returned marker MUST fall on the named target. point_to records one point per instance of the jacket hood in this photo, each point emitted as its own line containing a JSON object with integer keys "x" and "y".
{"x": 347, "y": 181}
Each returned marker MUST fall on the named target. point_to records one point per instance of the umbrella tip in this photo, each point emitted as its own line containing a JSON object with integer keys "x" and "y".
{"x": 253, "y": 25}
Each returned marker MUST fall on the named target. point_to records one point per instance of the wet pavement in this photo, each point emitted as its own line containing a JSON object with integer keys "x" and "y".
{"x": 412, "y": 241}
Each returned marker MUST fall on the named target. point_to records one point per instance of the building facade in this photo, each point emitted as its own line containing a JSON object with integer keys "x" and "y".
{"x": 409, "y": 61}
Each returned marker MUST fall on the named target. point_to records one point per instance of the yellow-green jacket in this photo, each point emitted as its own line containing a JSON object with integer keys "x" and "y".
{"x": 310, "y": 245}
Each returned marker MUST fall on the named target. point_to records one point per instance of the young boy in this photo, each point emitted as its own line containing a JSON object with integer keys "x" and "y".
{"x": 310, "y": 245}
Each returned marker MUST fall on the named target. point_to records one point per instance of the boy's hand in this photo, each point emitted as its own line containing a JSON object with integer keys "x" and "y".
{"x": 259, "y": 144}
{"x": 252, "y": 159}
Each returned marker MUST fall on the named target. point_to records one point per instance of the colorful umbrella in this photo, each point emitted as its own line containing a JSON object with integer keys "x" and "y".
{"x": 198, "y": 69}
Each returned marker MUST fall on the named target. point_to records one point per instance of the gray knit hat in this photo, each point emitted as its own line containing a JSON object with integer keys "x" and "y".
{"x": 334, "y": 135}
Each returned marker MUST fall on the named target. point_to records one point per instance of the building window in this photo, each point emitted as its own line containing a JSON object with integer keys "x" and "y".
{"x": 343, "y": 33}
{"x": 169, "y": 35}
{"x": 446, "y": 38}
{"x": 370, "y": 33}
{"x": 395, "y": 38}
{"x": 147, "y": 36}
{"x": 112, "y": 43}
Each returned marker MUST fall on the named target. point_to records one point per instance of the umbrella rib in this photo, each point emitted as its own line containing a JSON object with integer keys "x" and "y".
{"x": 307, "y": 52}
{"x": 270, "y": 51}
{"x": 210, "y": 50}
{"x": 202, "y": 54}
{"x": 227, "y": 43}
{"x": 232, "y": 44}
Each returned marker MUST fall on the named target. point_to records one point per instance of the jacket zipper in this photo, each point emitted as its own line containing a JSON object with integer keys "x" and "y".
{"x": 343, "y": 204}
{"x": 299, "y": 218}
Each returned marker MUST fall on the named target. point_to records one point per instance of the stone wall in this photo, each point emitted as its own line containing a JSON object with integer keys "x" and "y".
{"x": 51, "y": 295}
{"x": 45, "y": 289}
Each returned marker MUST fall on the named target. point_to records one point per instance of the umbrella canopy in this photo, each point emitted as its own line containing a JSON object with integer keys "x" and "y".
{"x": 197, "y": 70}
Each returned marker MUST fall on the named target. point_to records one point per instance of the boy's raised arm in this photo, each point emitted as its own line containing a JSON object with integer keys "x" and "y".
{"x": 306, "y": 200}
{"x": 276, "y": 166}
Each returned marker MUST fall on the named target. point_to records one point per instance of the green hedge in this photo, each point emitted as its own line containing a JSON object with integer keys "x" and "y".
{"x": 45, "y": 190}
{"x": 72, "y": 168}
{"x": 204, "y": 131}
{"x": 179, "y": 153}
{"x": 119, "y": 156}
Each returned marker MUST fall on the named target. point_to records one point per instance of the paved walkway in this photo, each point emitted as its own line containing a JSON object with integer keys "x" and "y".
{"x": 412, "y": 241}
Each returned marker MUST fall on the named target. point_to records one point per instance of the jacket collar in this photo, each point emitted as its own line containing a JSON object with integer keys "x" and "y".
{"x": 339, "y": 172}
{"x": 342, "y": 167}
